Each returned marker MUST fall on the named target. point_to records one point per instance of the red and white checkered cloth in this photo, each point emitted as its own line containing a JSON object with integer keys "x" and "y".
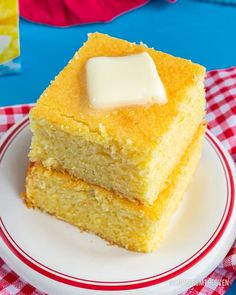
{"x": 221, "y": 117}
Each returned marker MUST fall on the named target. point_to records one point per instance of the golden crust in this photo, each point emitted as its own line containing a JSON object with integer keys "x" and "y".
{"x": 65, "y": 101}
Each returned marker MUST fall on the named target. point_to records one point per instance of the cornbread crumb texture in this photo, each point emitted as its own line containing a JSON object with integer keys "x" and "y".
{"x": 111, "y": 216}
{"x": 136, "y": 174}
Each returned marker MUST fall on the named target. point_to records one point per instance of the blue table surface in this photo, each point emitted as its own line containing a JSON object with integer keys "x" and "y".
{"x": 196, "y": 30}
{"x": 232, "y": 289}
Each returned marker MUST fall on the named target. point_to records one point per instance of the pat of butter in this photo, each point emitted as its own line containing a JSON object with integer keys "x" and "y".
{"x": 123, "y": 80}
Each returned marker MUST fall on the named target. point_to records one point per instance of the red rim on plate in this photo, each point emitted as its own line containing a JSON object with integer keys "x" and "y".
{"x": 124, "y": 285}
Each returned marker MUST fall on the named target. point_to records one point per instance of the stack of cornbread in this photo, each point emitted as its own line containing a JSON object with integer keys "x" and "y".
{"x": 117, "y": 172}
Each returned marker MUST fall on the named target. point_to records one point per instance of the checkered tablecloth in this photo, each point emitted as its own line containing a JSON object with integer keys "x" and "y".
{"x": 221, "y": 117}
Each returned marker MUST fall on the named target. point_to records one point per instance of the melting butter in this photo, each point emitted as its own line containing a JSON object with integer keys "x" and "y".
{"x": 124, "y": 80}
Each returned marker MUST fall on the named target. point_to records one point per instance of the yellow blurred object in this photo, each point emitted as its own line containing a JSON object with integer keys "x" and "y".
{"x": 9, "y": 34}
{"x": 9, "y": 44}
{"x": 8, "y": 12}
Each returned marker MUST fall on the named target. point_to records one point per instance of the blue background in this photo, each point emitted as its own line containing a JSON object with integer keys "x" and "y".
{"x": 197, "y": 30}
{"x": 232, "y": 289}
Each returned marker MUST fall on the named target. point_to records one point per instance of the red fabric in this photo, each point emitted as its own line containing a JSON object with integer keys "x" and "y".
{"x": 63, "y": 13}
{"x": 221, "y": 117}
{"x": 221, "y": 107}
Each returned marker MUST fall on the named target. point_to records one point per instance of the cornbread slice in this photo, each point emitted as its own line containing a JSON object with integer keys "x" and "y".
{"x": 109, "y": 215}
{"x": 129, "y": 150}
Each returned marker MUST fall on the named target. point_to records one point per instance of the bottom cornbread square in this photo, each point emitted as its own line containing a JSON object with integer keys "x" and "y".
{"x": 116, "y": 219}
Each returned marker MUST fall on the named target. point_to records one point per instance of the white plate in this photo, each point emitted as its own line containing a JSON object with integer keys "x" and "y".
{"x": 58, "y": 259}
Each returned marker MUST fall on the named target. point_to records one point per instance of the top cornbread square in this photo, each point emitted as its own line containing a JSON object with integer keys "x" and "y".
{"x": 130, "y": 150}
